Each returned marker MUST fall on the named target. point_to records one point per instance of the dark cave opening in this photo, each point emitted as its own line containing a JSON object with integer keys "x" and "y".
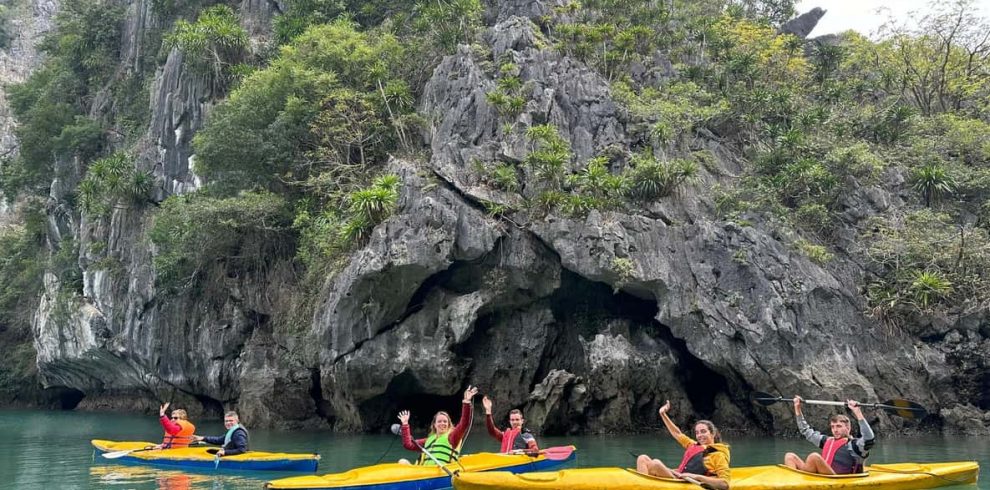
{"x": 323, "y": 408}
{"x": 404, "y": 392}
{"x": 68, "y": 398}
{"x": 212, "y": 408}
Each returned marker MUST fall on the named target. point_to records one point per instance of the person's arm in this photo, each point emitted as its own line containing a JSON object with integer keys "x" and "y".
{"x": 170, "y": 427}
{"x": 238, "y": 444}
{"x": 407, "y": 439}
{"x": 531, "y": 447}
{"x": 866, "y": 435}
{"x": 675, "y": 432}
{"x": 812, "y": 435}
{"x": 215, "y": 440}
{"x": 467, "y": 414}
{"x": 492, "y": 430}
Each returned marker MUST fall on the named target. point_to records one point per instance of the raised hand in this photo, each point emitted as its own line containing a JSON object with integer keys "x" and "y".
{"x": 404, "y": 417}
{"x": 856, "y": 410}
{"x": 664, "y": 409}
{"x": 469, "y": 393}
{"x": 487, "y": 403}
{"x": 162, "y": 409}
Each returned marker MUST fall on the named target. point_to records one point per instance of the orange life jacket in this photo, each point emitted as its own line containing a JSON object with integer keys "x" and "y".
{"x": 181, "y": 439}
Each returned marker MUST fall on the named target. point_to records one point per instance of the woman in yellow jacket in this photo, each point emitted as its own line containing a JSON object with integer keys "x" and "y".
{"x": 706, "y": 460}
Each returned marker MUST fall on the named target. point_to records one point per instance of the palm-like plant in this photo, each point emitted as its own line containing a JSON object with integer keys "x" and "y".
{"x": 933, "y": 182}
{"x": 929, "y": 287}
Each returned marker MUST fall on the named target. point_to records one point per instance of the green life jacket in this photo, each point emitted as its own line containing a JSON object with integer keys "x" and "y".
{"x": 439, "y": 447}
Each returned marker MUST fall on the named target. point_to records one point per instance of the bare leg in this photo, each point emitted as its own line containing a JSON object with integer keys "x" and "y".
{"x": 816, "y": 464}
{"x": 404, "y": 461}
{"x": 794, "y": 461}
{"x": 653, "y": 467}
{"x": 643, "y": 464}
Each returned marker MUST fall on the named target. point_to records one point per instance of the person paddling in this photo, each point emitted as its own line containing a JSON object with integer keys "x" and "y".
{"x": 443, "y": 442}
{"x": 514, "y": 439}
{"x": 841, "y": 454}
{"x": 705, "y": 461}
{"x": 178, "y": 430}
{"x": 235, "y": 441}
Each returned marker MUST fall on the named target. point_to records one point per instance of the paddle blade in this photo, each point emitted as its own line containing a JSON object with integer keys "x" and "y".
{"x": 558, "y": 453}
{"x": 904, "y": 408}
{"x": 118, "y": 454}
{"x": 765, "y": 399}
{"x": 396, "y": 429}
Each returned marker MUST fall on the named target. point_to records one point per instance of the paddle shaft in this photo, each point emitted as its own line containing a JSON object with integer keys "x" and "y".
{"x": 890, "y": 405}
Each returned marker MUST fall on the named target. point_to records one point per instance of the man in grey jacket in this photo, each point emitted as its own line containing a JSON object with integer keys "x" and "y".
{"x": 841, "y": 454}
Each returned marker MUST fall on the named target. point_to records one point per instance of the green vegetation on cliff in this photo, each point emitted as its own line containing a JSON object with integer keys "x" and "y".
{"x": 295, "y": 147}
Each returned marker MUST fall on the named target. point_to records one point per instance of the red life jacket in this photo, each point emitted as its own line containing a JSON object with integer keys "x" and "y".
{"x": 847, "y": 463}
{"x": 832, "y": 446}
{"x": 694, "y": 460}
{"x": 508, "y": 437}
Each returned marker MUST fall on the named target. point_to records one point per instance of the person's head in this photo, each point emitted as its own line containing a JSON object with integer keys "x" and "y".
{"x": 230, "y": 419}
{"x": 840, "y": 426}
{"x": 179, "y": 414}
{"x": 516, "y": 419}
{"x": 706, "y": 433}
{"x": 441, "y": 423}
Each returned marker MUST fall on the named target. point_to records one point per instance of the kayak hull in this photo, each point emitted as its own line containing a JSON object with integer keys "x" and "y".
{"x": 395, "y": 476}
{"x": 902, "y": 476}
{"x": 197, "y": 458}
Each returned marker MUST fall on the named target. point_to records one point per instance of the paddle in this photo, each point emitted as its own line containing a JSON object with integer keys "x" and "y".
{"x": 902, "y": 408}
{"x": 397, "y": 429}
{"x": 121, "y": 454}
{"x": 556, "y": 453}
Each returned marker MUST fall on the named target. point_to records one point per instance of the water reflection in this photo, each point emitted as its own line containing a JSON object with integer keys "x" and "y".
{"x": 47, "y": 450}
{"x": 111, "y": 476}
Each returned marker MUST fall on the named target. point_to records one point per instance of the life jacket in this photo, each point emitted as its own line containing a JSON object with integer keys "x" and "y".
{"x": 694, "y": 460}
{"x": 512, "y": 440}
{"x": 838, "y": 455}
{"x": 181, "y": 439}
{"x": 440, "y": 448}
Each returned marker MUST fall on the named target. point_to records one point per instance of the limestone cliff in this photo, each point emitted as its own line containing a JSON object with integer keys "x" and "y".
{"x": 588, "y": 324}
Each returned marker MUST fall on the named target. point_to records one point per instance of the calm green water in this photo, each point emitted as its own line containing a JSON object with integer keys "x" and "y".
{"x": 42, "y": 450}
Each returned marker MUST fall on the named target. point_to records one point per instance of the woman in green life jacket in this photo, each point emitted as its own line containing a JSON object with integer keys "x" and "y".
{"x": 443, "y": 442}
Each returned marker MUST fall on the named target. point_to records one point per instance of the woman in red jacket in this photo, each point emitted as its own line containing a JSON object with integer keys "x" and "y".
{"x": 444, "y": 442}
{"x": 178, "y": 431}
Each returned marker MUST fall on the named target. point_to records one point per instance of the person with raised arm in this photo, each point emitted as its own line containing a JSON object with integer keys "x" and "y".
{"x": 443, "y": 442}
{"x": 841, "y": 453}
{"x": 706, "y": 457}
{"x": 516, "y": 438}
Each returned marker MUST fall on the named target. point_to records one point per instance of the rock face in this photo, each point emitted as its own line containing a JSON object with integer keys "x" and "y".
{"x": 588, "y": 324}
{"x": 26, "y": 24}
{"x": 802, "y": 25}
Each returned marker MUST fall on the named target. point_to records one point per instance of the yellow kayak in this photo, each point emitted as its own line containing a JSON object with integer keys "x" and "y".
{"x": 198, "y": 457}
{"x": 395, "y": 476}
{"x": 900, "y": 476}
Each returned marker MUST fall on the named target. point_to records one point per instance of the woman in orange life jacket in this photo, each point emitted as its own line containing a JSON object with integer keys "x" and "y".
{"x": 178, "y": 431}
{"x": 516, "y": 437}
{"x": 841, "y": 454}
{"x": 443, "y": 442}
{"x": 706, "y": 460}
